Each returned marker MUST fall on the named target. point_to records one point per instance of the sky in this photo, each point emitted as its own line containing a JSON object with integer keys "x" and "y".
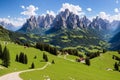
{"x": 17, "y": 11}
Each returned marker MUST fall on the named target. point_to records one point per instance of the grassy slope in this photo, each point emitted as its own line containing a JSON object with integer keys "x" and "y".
{"x": 62, "y": 69}
{"x": 66, "y": 70}
{"x": 16, "y": 49}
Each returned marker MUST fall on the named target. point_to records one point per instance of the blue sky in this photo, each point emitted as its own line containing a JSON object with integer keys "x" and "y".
{"x": 19, "y": 9}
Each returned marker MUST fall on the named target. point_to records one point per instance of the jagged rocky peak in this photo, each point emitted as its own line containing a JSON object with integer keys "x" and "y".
{"x": 32, "y": 22}
{"x": 100, "y": 24}
{"x": 45, "y": 21}
{"x": 85, "y": 21}
{"x": 30, "y": 25}
{"x": 66, "y": 19}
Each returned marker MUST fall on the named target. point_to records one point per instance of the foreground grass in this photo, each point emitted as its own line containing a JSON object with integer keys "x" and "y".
{"x": 30, "y": 52}
{"x": 62, "y": 69}
{"x": 66, "y": 70}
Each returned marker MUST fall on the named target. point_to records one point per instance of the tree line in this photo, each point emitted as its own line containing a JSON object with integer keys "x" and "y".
{"x": 47, "y": 47}
{"x": 70, "y": 51}
{"x": 5, "y": 56}
{"x": 22, "y": 58}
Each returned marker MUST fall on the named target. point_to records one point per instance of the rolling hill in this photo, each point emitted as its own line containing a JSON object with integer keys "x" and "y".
{"x": 63, "y": 68}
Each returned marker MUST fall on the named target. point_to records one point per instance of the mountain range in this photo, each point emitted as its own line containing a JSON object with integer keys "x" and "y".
{"x": 8, "y": 26}
{"x": 68, "y": 29}
{"x": 66, "y": 20}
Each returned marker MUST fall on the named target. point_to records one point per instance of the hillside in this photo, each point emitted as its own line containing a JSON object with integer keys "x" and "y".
{"x": 61, "y": 38}
{"x": 115, "y": 42}
{"x": 72, "y": 38}
{"x": 4, "y": 34}
{"x": 67, "y": 70}
{"x": 63, "y": 68}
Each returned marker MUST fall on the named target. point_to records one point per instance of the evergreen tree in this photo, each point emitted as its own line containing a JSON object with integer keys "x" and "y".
{"x": 44, "y": 55}
{"x": 32, "y": 66}
{"x": 0, "y": 51}
{"x": 6, "y": 57}
{"x": 26, "y": 60}
{"x": 53, "y": 62}
{"x": 17, "y": 58}
{"x": 87, "y": 61}
{"x": 21, "y": 57}
{"x": 116, "y": 67}
{"x": 46, "y": 58}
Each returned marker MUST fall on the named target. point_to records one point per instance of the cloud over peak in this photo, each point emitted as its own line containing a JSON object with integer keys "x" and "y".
{"x": 109, "y": 17}
{"x": 29, "y": 11}
{"x": 51, "y": 13}
{"x": 76, "y": 9}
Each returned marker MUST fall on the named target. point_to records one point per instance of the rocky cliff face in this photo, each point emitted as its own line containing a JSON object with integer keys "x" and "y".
{"x": 67, "y": 19}
{"x": 100, "y": 24}
{"x": 30, "y": 25}
{"x": 45, "y": 21}
{"x": 64, "y": 20}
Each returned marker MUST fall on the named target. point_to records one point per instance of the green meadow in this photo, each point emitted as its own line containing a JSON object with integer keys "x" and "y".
{"x": 63, "y": 69}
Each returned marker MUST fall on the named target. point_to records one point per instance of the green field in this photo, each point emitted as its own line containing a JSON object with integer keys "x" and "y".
{"x": 62, "y": 69}
{"x": 67, "y": 70}
{"x": 30, "y": 52}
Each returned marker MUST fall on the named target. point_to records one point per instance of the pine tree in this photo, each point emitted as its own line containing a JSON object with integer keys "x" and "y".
{"x": 17, "y": 58}
{"x": 26, "y": 60}
{"x": 53, "y": 62}
{"x": 116, "y": 66}
{"x": 6, "y": 57}
{"x": 46, "y": 58}
{"x": 32, "y": 66}
{"x": 1, "y": 52}
{"x": 21, "y": 57}
{"x": 87, "y": 61}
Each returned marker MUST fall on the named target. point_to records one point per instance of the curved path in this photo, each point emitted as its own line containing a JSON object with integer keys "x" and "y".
{"x": 15, "y": 75}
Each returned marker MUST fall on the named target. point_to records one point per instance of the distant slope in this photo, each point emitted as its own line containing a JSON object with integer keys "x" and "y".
{"x": 61, "y": 38}
{"x": 115, "y": 42}
{"x": 6, "y": 35}
{"x": 74, "y": 37}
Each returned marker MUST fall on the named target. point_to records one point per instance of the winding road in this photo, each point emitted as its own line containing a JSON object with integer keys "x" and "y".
{"x": 15, "y": 75}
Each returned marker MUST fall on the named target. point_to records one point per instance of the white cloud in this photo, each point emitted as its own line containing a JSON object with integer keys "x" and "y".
{"x": 76, "y": 9}
{"x": 51, "y": 13}
{"x": 117, "y": 1}
{"x": 109, "y": 17}
{"x": 116, "y": 10}
{"x": 17, "y": 22}
{"x": 103, "y": 15}
{"x": 30, "y": 10}
{"x": 89, "y": 9}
